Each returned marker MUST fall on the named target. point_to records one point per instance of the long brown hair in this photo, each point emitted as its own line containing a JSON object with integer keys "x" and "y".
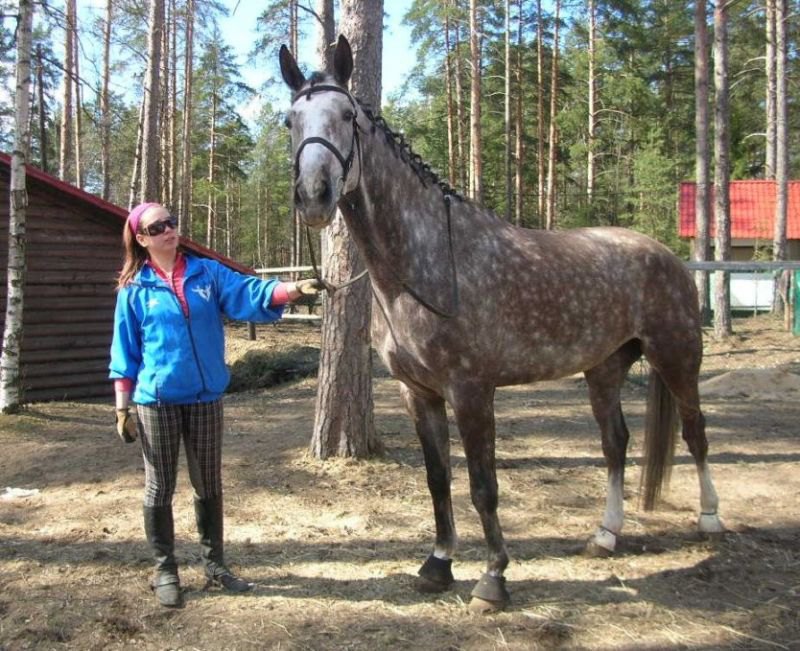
{"x": 135, "y": 257}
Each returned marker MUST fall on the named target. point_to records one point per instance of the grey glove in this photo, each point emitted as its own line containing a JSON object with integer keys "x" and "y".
{"x": 126, "y": 425}
{"x": 309, "y": 287}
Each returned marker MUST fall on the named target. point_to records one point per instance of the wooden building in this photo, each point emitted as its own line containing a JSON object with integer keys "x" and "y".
{"x": 74, "y": 253}
{"x": 752, "y": 217}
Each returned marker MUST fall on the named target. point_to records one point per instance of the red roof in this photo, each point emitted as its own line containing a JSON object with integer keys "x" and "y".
{"x": 115, "y": 211}
{"x": 752, "y": 210}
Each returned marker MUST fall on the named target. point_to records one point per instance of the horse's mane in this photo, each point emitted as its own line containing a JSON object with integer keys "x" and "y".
{"x": 401, "y": 147}
{"x": 396, "y": 140}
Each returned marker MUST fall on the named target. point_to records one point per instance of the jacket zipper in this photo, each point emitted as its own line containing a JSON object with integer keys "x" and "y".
{"x": 189, "y": 329}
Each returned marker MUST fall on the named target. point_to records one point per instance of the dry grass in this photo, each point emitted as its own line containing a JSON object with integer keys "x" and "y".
{"x": 334, "y": 547}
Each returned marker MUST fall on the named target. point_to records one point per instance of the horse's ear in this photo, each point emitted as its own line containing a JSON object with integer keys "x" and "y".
{"x": 342, "y": 61}
{"x": 289, "y": 71}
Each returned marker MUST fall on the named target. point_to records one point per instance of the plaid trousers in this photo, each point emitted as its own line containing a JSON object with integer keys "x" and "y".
{"x": 161, "y": 429}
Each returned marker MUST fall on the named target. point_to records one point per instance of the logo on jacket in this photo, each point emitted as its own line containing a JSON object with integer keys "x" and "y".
{"x": 203, "y": 292}
{"x": 153, "y": 302}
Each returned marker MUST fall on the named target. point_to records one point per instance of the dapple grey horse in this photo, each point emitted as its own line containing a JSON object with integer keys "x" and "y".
{"x": 465, "y": 302}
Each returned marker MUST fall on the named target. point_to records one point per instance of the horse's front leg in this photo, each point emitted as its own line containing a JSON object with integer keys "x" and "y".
{"x": 474, "y": 410}
{"x": 430, "y": 420}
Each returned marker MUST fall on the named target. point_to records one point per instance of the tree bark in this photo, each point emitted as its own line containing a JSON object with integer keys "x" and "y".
{"x": 42, "y": 121}
{"x": 550, "y": 208}
{"x": 185, "y": 210}
{"x": 105, "y": 108}
{"x": 592, "y": 126}
{"x": 507, "y": 112}
{"x": 540, "y": 122}
{"x": 475, "y": 144}
{"x": 519, "y": 131}
{"x": 150, "y": 131}
{"x": 701, "y": 247}
{"x": 78, "y": 129}
{"x": 779, "y": 303}
{"x": 722, "y": 251}
{"x": 771, "y": 88}
{"x": 326, "y": 35}
{"x": 461, "y": 118}
{"x": 10, "y": 366}
{"x": 452, "y": 163}
{"x": 65, "y": 157}
{"x": 344, "y": 422}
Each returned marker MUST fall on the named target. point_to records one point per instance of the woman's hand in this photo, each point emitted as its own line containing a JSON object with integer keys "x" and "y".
{"x": 126, "y": 425}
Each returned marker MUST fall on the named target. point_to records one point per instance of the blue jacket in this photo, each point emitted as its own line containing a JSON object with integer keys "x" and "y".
{"x": 180, "y": 359}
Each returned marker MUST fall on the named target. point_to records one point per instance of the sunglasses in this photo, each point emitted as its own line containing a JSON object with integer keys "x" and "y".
{"x": 156, "y": 228}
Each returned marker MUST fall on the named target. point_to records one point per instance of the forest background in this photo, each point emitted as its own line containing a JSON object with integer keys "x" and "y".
{"x": 226, "y": 173}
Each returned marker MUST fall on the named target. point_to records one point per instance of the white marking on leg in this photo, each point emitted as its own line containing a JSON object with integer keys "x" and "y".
{"x": 709, "y": 521}
{"x": 606, "y": 535}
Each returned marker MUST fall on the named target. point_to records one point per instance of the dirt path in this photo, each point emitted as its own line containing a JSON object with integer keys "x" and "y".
{"x": 334, "y": 547}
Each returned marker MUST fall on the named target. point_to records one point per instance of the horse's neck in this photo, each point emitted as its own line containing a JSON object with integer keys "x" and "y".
{"x": 401, "y": 225}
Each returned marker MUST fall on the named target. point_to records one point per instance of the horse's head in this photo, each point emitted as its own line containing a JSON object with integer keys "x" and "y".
{"x": 325, "y": 142}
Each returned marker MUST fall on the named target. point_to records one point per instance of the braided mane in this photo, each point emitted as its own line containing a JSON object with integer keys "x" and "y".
{"x": 401, "y": 147}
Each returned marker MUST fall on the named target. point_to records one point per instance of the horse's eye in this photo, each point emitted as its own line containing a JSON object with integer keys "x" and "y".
{"x": 348, "y": 116}
{"x": 287, "y": 122}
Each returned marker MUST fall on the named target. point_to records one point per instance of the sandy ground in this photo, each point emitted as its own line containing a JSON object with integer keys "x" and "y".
{"x": 334, "y": 547}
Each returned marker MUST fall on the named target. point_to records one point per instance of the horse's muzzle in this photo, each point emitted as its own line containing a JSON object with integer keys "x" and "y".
{"x": 315, "y": 201}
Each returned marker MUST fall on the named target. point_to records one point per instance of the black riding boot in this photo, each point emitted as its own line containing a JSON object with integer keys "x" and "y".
{"x": 160, "y": 532}
{"x": 209, "y": 525}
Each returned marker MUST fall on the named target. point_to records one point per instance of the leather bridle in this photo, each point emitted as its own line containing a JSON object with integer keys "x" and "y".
{"x": 346, "y": 163}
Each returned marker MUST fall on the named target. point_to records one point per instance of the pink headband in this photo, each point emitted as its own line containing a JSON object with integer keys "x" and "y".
{"x": 135, "y": 215}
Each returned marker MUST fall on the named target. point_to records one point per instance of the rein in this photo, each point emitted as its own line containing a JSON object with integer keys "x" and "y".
{"x": 347, "y": 164}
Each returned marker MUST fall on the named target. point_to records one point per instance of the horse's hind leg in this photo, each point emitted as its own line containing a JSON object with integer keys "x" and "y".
{"x": 679, "y": 368}
{"x": 430, "y": 420}
{"x": 605, "y": 381}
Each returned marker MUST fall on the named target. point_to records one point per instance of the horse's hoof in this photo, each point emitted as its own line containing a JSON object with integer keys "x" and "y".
{"x": 480, "y": 606}
{"x": 489, "y": 595}
{"x": 435, "y": 575}
{"x": 593, "y": 550}
{"x": 709, "y": 523}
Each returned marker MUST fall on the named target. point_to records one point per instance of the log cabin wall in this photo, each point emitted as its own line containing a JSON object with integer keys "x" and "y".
{"x": 74, "y": 253}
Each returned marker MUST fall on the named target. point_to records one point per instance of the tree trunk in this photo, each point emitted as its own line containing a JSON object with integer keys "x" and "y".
{"x": 452, "y": 163}
{"x": 42, "y": 121}
{"x": 326, "y": 36}
{"x": 475, "y": 144}
{"x": 701, "y": 247}
{"x": 137, "y": 159}
{"x": 771, "y": 78}
{"x": 540, "y": 122}
{"x": 10, "y": 366}
{"x": 461, "y": 118}
{"x": 65, "y": 157}
{"x": 780, "y": 297}
{"x": 507, "y": 112}
{"x": 185, "y": 202}
{"x": 212, "y": 150}
{"x": 550, "y": 208}
{"x": 519, "y": 143}
{"x": 344, "y": 422}
{"x": 105, "y": 108}
{"x": 78, "y": 130}
{"x": 722, "y": 308}
{"x": 150, "y": 131}
{"x": 592, "y": 126}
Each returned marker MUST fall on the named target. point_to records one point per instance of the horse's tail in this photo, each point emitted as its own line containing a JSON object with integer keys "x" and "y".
{"x": 661, "y": 425}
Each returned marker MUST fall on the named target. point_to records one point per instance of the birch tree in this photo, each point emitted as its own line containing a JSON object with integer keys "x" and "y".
{"x": 550, "y": 207}
{"x": 105, "y": 110}
{"x": 186, "y": 137}
{"x": 10, "y": 378}
{"x": 722, "y": 219}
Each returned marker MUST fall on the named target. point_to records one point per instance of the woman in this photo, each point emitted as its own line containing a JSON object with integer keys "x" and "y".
{"x": 168, "y": 357}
